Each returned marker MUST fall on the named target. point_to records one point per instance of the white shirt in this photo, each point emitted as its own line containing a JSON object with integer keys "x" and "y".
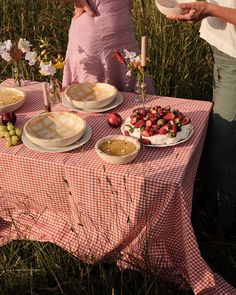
{"x": 219, "y": 33}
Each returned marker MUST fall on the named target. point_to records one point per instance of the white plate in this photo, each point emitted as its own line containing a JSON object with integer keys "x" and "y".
{"x": 79, "y": 143}
{"x": 116, "y": 102}
{"x": 162, "y": 145}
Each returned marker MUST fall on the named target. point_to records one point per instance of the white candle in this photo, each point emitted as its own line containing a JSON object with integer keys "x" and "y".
{"x": 45, "y": 93}
{"x": 144, "y": 51}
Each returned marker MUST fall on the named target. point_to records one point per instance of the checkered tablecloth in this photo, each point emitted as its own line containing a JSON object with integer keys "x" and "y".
{"x": 138, "y": 214}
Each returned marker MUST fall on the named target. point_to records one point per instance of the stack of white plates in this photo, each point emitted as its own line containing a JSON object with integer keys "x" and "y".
{"x": 55, "y": 131}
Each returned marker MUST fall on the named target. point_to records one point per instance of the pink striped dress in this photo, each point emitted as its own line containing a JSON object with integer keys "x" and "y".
{"x": 92, "y": 41}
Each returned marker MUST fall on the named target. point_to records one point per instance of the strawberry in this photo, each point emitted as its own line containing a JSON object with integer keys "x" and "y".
{"x": 164, "y": 129}
{"x": 151, "y": 133}
{"x": 173, "y": 128}
{"x": 127, "y": 133}
{"x": 185, "y": 121}
{"x": 145, "y": 133}
{"x": 139, "y": 123}
{"x": 169, "y": 116}
{"x": 155, "y": 127}
{"x": 149, "y": 123}
{"x": 142, "y": 112}
{"x": 147, "y": 128}
{"x": 160, "y": 122}
{"x": 146, "y": 141}
{"x": 133, "y": 121}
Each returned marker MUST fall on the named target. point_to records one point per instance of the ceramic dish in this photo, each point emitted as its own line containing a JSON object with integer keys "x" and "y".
{"x": 117, "y": 159}
{"x": 11, "y": 99}
{"x": 170, "y": 7}
{"x": 55, "y": 129}
{"x": 90, "y": 95}
{"x": 116, "y": 102}
{"x": 162, "y": 145}
{"x": 85, "y": 138}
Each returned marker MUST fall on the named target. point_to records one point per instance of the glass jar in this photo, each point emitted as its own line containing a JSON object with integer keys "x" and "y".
{"x": 54, "y": 91}
{"x": 140, "y": 88}
{"x": 18, "y": 76}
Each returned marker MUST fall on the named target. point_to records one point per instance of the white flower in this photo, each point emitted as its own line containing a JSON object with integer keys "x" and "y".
{"x": 129, "y": 73}
{"x": 24, "y": 45}
{"x": 6, "y": 56}
{"x": 47, "y": 69}
{"x": 31, "y": 56}
{"x": 8, "y": 45}
{"x": 129, "y": 55}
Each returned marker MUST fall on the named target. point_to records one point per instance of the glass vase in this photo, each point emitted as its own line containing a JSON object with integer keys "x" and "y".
{"x": 18, "y": 76}
{"x": 140, "y": 88}
{"x": 54, "y": 91}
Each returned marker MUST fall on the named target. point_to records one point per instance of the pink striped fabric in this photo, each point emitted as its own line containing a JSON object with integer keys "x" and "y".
{"x": 137, "y": 214}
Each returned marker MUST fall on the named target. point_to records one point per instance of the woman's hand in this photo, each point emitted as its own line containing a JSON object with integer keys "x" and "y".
{"x": 196, "y": 11}
{"x": 82, "y": 6}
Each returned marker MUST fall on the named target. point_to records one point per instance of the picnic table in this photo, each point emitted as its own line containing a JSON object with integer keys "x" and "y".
{"x": 138, "y": 214}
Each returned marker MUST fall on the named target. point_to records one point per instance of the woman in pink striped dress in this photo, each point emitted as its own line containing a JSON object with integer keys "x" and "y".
{"x": 93, "y": 39}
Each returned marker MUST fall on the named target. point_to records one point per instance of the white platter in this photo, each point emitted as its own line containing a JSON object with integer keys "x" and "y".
{"x": 162, "y": 145}
{"x": 116, "y": 102}
{"x": 85, "y": 138}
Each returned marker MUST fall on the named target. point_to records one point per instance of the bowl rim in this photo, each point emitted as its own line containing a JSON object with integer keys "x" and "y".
{"x": 15, "y": 90}
{"x": 53, "y": 139}
{"x": 90, "y": 102}
{"x": 117, "y": 136}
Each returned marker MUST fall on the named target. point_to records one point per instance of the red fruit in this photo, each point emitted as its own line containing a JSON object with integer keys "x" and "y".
{"x": 142, "y": 112}
{"x": 127, "y": 133}
{"x": 139, "y": 123}
{"x": 147, "y": 128}
{"x": 173, "y": 128}
{"x": 145, "y": 133}
{"x": 185, "y": 121}
{"x": 169, "y": 116}
{"x": 151, "y": 133}
{"x": 8, "y": 117}
{"x": 149, "y": 123}
{"x": 114, "y": 120}
{"x": 155, "y": 127}
{"x": 133, "y": 121}
{"x": 160, "y": 122}
{"x": 146, "y": 141}
{"x": 164, "y": 129}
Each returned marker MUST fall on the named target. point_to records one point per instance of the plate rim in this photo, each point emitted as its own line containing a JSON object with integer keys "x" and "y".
{"x": 68, "y": 148}
{"x": 163, "y": 145}
{"x": 112, "y": 105}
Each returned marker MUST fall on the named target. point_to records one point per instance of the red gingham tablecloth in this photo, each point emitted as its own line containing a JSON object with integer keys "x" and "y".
{"x": 138, "y": 214}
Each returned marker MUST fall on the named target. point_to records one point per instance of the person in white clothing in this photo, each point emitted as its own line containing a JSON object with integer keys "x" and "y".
{"x": 218, "y": 28}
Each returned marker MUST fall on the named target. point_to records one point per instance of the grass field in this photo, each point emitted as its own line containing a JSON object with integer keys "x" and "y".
{"x": 181, "y": 66}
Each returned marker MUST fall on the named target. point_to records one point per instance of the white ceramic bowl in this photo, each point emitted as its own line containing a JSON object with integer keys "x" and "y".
{"x": 90, "y": 95}
{"x": 117, "y": 160}
{"x": 170, "y": 7}
{"x": 11, "y": 99}
{"x": 55, "y": 129}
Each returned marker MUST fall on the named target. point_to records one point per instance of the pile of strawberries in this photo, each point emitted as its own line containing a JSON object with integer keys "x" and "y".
{"x": 157, "y": 120}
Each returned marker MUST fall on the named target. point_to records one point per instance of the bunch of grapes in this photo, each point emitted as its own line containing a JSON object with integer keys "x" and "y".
{"x": 11, "y": 134}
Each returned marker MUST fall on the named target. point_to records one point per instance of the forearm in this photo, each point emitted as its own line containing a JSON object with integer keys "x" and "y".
{"x": 221, "y": 12}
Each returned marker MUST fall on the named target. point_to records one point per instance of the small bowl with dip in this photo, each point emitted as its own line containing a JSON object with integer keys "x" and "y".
{"x": 117, "y": 149}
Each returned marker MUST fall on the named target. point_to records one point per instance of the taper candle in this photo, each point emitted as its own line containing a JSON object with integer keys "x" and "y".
{"x": 47, "y": 105}
{"x": 144, "y": 51}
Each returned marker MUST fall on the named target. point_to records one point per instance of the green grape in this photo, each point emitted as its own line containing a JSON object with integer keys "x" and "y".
{"x": 7, "y": 134}
{"x": 10, "y": 126}
{"x": 8, "y": 143}
{"x": 2, "y": 133}
{"x": 3, "y": 128}
{"x": 18, "y": 131}
{"x": 14, "y": 139}
{"x": 12, "y": 132}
